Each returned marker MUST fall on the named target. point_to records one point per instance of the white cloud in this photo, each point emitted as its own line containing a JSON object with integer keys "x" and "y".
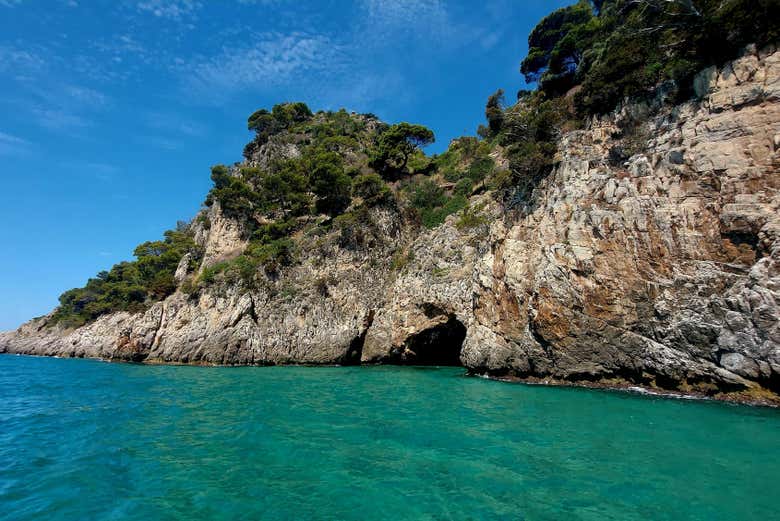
{"x": 10, "y": 3}
{"x": 424, "y": 19}
{"x": 8, "y": 138}
{"x": 261, "y": 2}
{"x": 397, "y": 11}
{"x": 98, "y": 170}
{"x": 12, "y": 145}
{"x": 273, "y": 60}
{"x": 85, "y": 96}
{"x": 59, "y": 119}
{"x": 429, "y": 25}
{"x": 123, "y": 45}
{"x": 171, "y": 9}
{"x": 66, "y": 108}
{"x": 15, "y": 59}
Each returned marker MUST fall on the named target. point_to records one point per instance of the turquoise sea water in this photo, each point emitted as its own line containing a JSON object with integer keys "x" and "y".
{"x": 86, "y": 440}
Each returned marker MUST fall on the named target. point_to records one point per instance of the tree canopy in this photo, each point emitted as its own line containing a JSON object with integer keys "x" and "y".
{"x": 556, "y": 47}
{"x": 129, "y": 286}
{"x": 494, "y": 111}
{"x": 585, "y": 60}
{"x": 281, "y": 117}
{"x": 616, "y": 49}
{"x": 396, "y": 145}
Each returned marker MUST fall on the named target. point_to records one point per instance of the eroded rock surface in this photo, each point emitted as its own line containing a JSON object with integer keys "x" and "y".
{"x": 663, "y": 270}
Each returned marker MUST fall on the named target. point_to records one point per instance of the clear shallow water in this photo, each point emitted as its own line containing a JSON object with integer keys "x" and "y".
{"x": 82, "y": 439}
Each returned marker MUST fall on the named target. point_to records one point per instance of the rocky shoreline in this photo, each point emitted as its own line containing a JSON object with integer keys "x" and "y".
{"x": 760, "y": 399}
{"x": 659, "y": 267}
{"x": 753, "y": 399}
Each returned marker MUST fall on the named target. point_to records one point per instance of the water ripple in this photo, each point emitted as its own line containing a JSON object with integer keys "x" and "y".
{"x": 88, "y": 440}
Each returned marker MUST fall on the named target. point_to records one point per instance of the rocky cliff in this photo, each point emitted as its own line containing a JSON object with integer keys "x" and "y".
{"x": 659, "y": 268}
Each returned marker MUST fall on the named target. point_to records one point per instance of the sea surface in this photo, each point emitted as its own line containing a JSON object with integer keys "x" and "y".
{"x": 88, "y": 440}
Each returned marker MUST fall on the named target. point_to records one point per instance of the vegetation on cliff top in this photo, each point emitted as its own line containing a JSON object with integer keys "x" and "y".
{"x": 130, "y": 286}
{"x": 324, "y": 172}
{"x": 588, "y": 57}
{"x": 614, "y": 49}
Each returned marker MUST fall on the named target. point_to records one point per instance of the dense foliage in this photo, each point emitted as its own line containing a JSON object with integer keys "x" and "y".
{"x": 589, "y": 57}
{"x": 130, "y": 286}
{"x": 342, "y": 166}
{"x": 615, "y": 49}
{"x": 325, "y": 174}
{"x": 396, "y": 146}
{"x": 281, "y": 117}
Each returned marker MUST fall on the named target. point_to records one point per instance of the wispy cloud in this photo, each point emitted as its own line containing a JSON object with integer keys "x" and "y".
{"x": 19, "y": 60}
{"x": 263, "y": 2}
{"x": 95, "y": 169}
{"x": 423, "y": 19}
{"x": 10, "y": 3}
{"x": 489, "y": 39}
{"x": 175, "y": 124}
{"x": 70, "y": 108}
{"x": 162, "y": 142}
{"x": 118, "y": 48}
{"x": 433, "y": 25}
{"x": 176, "y": 10}
{"x": 43, "y": 93}
{"x": 59, "y": 119}
{"x": 13, "y": 145}
{"x": 85, "y": 96}
{"x": 274, "y": 59}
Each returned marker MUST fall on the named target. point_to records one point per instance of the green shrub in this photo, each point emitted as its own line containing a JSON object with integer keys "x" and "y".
{"x": 272, "y": 256}
{"x": 129, "y": 286}
{"x": 427, "y": 194}
{"x": 281, "y": 117}
{"x": 401, "y": 259}
{"x": 209, "y": 274}
{"x": 236, "y": 197}
{"x": 464, "y": 187}
{"x": 494, "y": 112}
{"x": 355, "y": 228}
{"x": 204, "y": 220}
{"x": 471, "y": 217}
{"x": 330, "y": 184}
{"x": 439, "y": 273}
{"x": 626, "y": 48}
{"x": 480, "y": 168}
{"x": 372, "y": 189}
{"x": 189, "y": 287}
{"x": 274, "y": 230}
{"x": 432, "y": 204}
{"x": 396, "y": 146}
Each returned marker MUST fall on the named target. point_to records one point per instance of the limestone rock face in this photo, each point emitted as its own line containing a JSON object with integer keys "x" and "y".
{"x": 222, "y": 238}
{"x": 663, "y": 270}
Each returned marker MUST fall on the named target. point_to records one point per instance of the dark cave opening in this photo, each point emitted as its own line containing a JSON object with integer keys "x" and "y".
{"x": 355, "y": 351}
{"x": 438, "y": 345}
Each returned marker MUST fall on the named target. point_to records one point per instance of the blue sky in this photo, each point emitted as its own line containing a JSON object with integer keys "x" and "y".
{"x": 112, "y": 111}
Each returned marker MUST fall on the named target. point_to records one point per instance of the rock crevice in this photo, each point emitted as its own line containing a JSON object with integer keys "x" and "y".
{"x": 659, "y": 269}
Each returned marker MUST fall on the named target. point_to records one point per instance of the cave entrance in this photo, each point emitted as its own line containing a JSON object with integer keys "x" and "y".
{"x": 438, "y": 345}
